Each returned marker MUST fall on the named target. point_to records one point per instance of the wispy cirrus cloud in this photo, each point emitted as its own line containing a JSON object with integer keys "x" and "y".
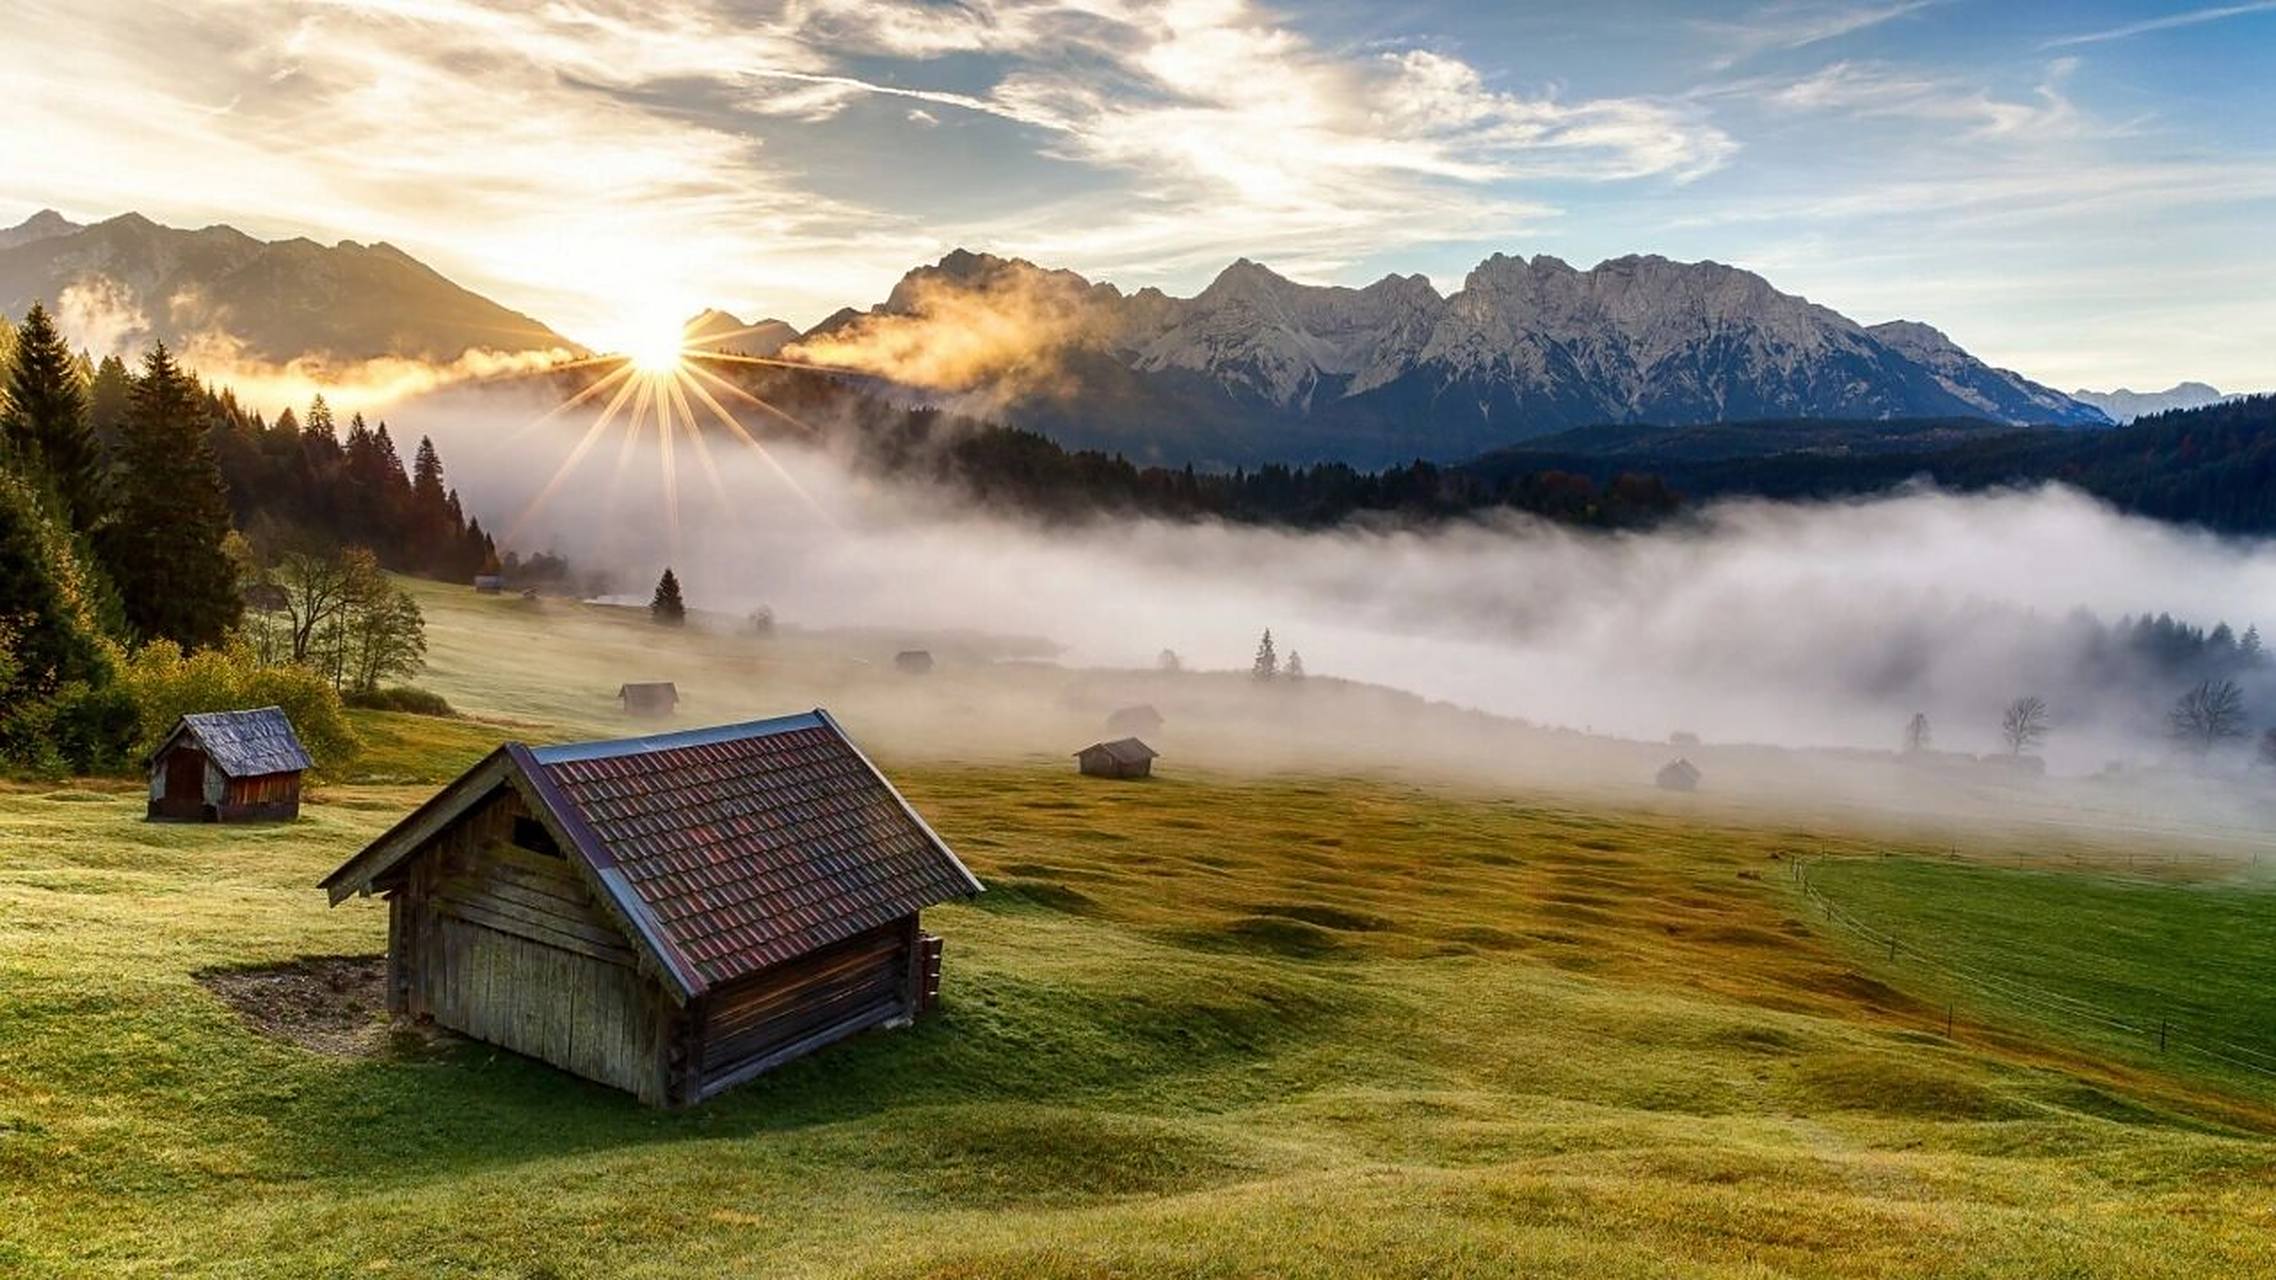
{"x": 2169, "y": 22}
{"x": 1871, "y": 90}
{"x": 1798, "y": 24}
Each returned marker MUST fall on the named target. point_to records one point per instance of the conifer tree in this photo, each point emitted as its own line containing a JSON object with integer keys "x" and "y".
{"x": 667, "y": 609}
{"x": 1267, "y": 665}
{"x": 1295, "y": 668}
{"x": 45, "y": 423}
{"x": 164, "y": 544}
{"x": 107, "y": 396}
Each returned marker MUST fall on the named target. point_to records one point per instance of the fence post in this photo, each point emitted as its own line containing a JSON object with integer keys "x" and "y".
{"x": 2161, "y": 1035}
{"x": 1892, "y": 948}
{"x": 1947, "y": 1022}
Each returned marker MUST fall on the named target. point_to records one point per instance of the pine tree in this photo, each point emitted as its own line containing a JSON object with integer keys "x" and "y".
{"x": 107, "y": 397}
{"x": 1295, "y": 668}
{"x": 667, "y": 609}
{"x": 45, "y": 424}
{"x": 2249, "y": 647}
{"x": 164, "y": 544}
{"x": 1267, "y": 665}
{"x": 430, "y": 517}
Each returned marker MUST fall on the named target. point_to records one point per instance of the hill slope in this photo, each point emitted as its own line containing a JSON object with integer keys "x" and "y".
{"x": 222, "y": 291}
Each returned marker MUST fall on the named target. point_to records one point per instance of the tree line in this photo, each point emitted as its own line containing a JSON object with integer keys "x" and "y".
{"x": 125, "y": 579}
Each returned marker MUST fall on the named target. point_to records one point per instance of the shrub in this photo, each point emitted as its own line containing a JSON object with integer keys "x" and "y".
{"x": 94, "y": 727}
{"x": 402, "y": 697}
{"x": 167, "y": 685}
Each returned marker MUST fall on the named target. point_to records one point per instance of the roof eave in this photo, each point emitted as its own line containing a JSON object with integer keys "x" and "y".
{"x": 899, "y": 799}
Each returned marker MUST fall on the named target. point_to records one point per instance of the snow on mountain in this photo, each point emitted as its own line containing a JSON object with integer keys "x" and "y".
{"x": 2124, "y": 406}
{"x": 1994, "y": 393}
{"x": 1258, "y": 366}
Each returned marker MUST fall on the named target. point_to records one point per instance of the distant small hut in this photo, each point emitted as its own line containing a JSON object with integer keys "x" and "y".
{"x": 228, "y": 766}
{"x": 648, "y": 698}
{"x": 915, "y": 662}
{"x": 1121, "y": 758}
{"x": 1132, "y": 722}
{"x": 489, "y": 584}
{"x": 672, "y": 915}
{"x": 1679, "y": 775}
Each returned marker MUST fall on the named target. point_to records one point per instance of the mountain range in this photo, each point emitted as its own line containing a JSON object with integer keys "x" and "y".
{"x": 2125, "y": 406}
{"x": 1253, "y": 368}
{"x": 222, "y": 293}
{"x": 1257, "y": 367}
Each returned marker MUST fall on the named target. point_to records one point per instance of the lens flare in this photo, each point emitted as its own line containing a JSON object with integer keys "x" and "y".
{"x": 660, "y": 382}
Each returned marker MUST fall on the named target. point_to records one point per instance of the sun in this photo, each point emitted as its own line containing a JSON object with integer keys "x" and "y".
{"x": 663, "y": 351}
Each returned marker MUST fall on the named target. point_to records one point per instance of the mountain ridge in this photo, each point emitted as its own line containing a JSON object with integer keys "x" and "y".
{"x": 230, "y": 296}
{"x": 1257, "y": 367}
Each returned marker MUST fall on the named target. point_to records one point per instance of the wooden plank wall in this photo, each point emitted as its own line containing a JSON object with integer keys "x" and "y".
{"x": 506, "y": 945}
{"x": 864, "y": 979}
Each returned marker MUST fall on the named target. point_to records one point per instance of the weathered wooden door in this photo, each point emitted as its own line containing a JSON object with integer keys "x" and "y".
{"x": 184, "y": 796}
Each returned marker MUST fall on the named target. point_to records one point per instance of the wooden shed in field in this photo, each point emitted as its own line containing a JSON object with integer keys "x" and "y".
{"x": 228, "y": 766}
{"x": 1679, "y": 775}
{"x": 915, "y": 662}
{"x": 671, "y": 915}
{"x": 1121, "y": 758}
{"x": 1132, "y": 722}
{"x": 648, "y": 698}
{"x": 489, "y": 584}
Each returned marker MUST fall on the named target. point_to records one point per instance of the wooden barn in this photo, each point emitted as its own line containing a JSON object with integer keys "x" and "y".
{"x": 671, "y": 915}
{"x": 1132, "y": 722}
{"x": 915, "y": 662}
{"x": 228, "y": 766}
{"x": 489, "y": 584}
{"x": 1121, "y": 758}
{"x": 1679, "y": 775}
{"x": 648, "y": 698}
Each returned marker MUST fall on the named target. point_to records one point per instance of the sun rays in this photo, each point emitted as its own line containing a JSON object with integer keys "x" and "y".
{"x": 663, "y": 386}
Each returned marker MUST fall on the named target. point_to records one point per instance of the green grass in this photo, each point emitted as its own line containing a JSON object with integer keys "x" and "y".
{"x": 2076, "y": 952}
{"x": 1208, "y": 1026}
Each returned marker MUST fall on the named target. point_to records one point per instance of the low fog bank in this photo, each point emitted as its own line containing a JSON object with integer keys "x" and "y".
{"x": 1798, "y": 626}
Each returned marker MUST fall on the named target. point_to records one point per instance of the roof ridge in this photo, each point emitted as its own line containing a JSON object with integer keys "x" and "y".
{"x": 612, "y": 748}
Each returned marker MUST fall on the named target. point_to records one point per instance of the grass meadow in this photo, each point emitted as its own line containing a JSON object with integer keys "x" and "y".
{"x": 1220, "y": 1024}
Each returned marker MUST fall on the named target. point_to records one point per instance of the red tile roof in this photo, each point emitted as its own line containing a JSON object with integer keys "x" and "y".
{"x": 752, "y": 844}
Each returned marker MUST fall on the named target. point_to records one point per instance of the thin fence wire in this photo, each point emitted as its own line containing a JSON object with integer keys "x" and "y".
{"x": 2169, "y": 1036}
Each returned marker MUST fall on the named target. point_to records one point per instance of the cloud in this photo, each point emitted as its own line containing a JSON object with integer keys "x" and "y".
{"x": 586, "y": 159}
{"x": 2189, "y": 18}
{"x": 1798, "y": 24}
{"x": 1879, "y": 91}
{"x": 100, "y": 316}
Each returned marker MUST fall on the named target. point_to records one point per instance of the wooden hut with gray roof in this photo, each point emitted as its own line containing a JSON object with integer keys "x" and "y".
{"x": 673, "y": 915}
{"x": 228, "y": 766}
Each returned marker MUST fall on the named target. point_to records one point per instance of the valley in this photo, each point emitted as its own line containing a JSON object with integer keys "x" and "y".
{"x": 1304, "y": 1019}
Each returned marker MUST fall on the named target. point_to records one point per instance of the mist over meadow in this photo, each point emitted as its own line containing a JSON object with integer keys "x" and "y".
{"x": 1789, "y": 624}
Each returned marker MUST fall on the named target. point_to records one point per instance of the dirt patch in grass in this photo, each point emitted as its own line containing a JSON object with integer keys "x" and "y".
{"x": 333, "y": 1005}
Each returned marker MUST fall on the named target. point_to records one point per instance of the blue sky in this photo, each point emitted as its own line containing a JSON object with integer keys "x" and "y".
{"x": 2081, "y": 191}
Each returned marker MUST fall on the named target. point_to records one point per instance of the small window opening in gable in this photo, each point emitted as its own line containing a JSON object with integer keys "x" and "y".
{"x": 531, "y": 834}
